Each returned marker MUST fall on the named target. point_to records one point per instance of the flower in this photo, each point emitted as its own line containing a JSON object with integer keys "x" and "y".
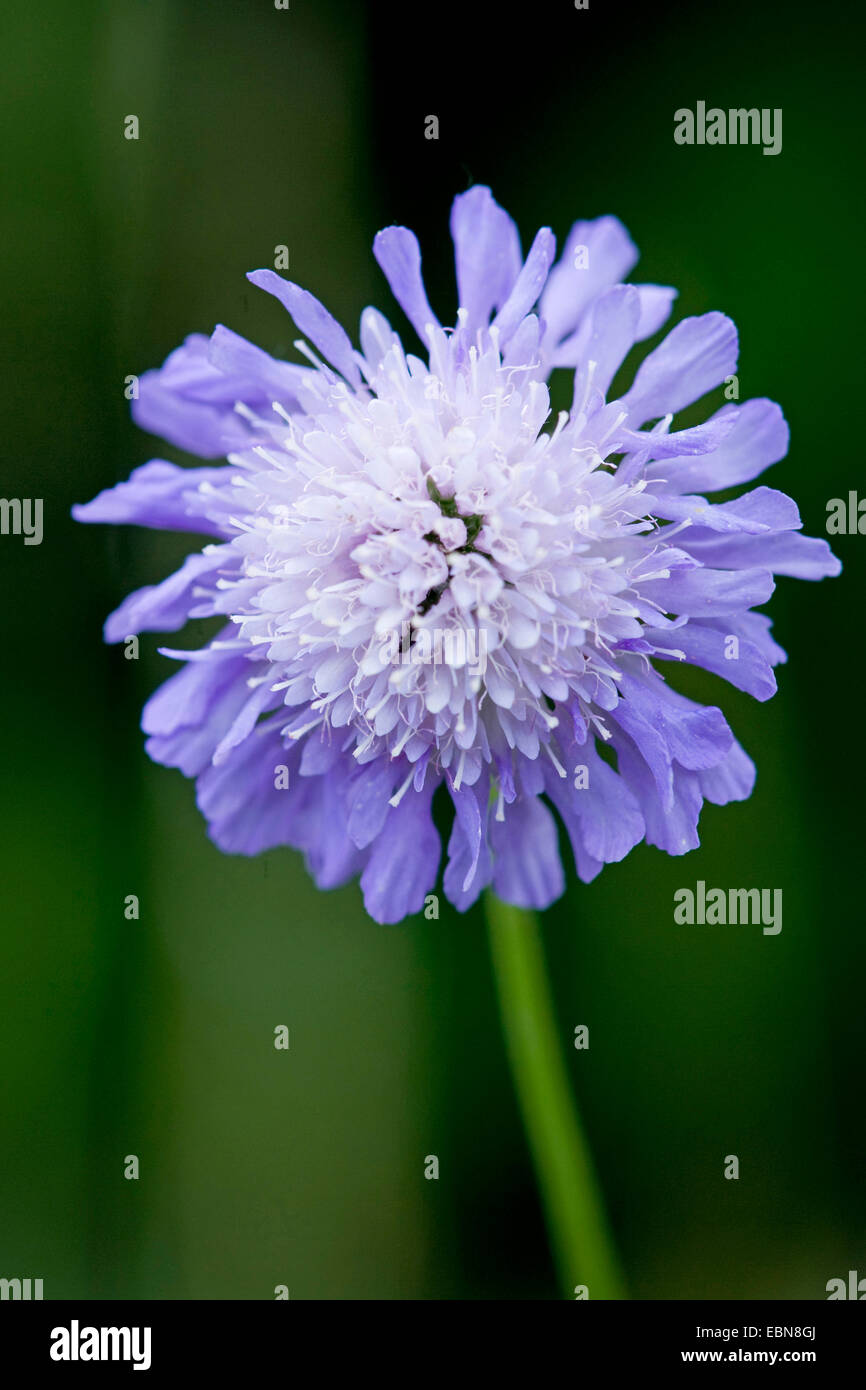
{"x": 375, "y": 504}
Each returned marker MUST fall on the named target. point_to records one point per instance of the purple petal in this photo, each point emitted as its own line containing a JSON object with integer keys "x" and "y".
{"x": 313, "y": 320}
{"x": 611, "y": 328}
{"x": 571, "y": 288}
{"x": 755, "y": 513}
{"x": 528, "y": 285}
{"x": 759, "y": 438}
{"x": 671, "y": 827}
{"x": 486, "y": 252}
{"x": 233, "y": 356}
{"x": 161, "y": 495}
{"x": 787, "y": 552}
{"x": 711, "y": 592}
{"x": 696, "y": 736}
{"x": 659, "y": 444}
{"x": 190, "y": 403}
{"x": 166, "y": 607}
{"x": 604, "y": 815}
{"x": 191, "y": 712}
{"x": 694, "y": 357}
{"x": 526, "y": 867}
{"x": 404, "y": 860}
{"x": 399, "y": 255}
{"x": 246, "y": 811}
{"x": 366, "y": 796}
{"x": 733, "y": 779}
{"x": 656, "y": 302}
{"x": 470, "y": 865}
{"x": 708, "y": 646}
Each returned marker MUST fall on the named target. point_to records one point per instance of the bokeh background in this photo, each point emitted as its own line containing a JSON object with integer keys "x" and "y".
{"x": 305, "y": 127}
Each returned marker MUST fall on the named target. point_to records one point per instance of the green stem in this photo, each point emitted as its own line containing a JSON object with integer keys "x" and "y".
{"x": 570, "y": 1194}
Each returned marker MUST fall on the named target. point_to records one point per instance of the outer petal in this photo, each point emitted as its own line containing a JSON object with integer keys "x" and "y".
{"x": 397, "y": 251}
{"x": 404, "y": 859}
{"x": 313, "y": 320}
{"x": 526, "y": 866}
{"x": 733, "y": 779}
{"x": 611, "y": 330}
{"x": 670, "y": 825}
{"x": 696, "y": 736}
{"x": 486, "y": 252}
{"x": 604, "y": 815}
{"x": 191, "y": 403}
{"x": 235, "y": 357}
{"x": 193, "y": 710}
{"x": 245, "y": 810}
{"x": 470, "y": 864}
{"x": 803, "y": 557}
{"x": 656, "y": 302}
{"x": 695, "y": 356}
{"x": 758, "y": 512}
{"x": 528, "y": 285}
{"x": 708, "y": 646}
{"x": 166, "y": 607}
{"x": 573, "y": 285}
{"x": 709, "y": 593}
{"x": 759, "y": 438}
{"x": 161, "y": 495}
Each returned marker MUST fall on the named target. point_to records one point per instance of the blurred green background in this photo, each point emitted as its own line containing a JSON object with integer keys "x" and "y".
{"x": 259, "y": 127}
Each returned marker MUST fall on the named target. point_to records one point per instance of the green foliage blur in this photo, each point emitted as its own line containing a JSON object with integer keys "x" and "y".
{"x": 305, "y": 127}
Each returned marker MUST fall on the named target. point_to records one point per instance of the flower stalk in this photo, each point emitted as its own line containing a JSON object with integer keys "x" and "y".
{"x": 570, "y": 1193}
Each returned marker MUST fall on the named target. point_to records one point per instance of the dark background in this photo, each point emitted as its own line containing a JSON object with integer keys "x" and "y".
{"x": 258, "y": 1167}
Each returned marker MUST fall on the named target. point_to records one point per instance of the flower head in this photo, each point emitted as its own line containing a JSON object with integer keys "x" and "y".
{"x": 427, "y": 582}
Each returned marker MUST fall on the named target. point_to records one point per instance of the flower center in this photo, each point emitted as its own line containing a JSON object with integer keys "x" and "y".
{"x": 471, "y": 525}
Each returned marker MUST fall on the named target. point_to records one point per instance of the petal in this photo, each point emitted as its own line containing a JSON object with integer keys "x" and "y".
{"x": 470, "y": 864}
{"x": 233, "y": 356}
{"x": 192, "y": 711}
{"x": 366, "y": 797}
{"x": 656, "y": 302}
{"x": 528, "y": 285}
{"x": 786, "y": 552}
{"x": 671, "y": 826}
{"x": 526, "y": 866}
{"x": 694, "y": 357}
{"x": 711, "y": 592}
{"x": 732, "y": 779}
{"x": 758, "y": 438}
{"x": 166, "y": 607}
{"x": 404, "y": 860}
{"x": 399, "y": 255}
{"x": 661, "y": 443}
{"x": 709, "y": 647}
{"x": 191, "y": 403}
{"x": 611, "y": 330}
{"x": 330, "y": 854}
{"x": 161, "y": 495}
{"x": 696, "y": 736}
{"x": 486, "y": 253}
{"x": 313, "y": 320}
{"x": 576, "y": 280}
{"x": 758, "y": 512}
{"x": 245, "y": 809}
{"x": 603, "y": 815}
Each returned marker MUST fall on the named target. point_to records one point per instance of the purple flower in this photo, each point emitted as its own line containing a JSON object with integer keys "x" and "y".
{"x": 425, "y": 582}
